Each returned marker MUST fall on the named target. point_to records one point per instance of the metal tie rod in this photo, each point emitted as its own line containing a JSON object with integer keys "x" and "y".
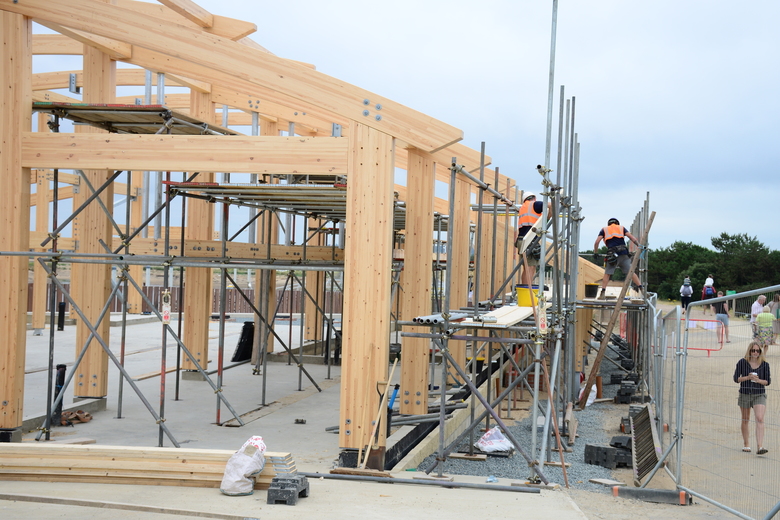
{"x": 80, "y": 208}
{"x": 110, "y": 354}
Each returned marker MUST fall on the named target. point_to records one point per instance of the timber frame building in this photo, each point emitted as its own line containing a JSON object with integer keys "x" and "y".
{"x": 333, "y": 167}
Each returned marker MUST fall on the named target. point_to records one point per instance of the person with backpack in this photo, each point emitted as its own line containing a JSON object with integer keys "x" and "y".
{"x": 686, "y": 292}
{"x": 708, "y": 292}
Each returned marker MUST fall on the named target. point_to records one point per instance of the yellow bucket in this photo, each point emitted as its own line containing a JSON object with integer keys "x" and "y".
{"x": 526, "y": 296}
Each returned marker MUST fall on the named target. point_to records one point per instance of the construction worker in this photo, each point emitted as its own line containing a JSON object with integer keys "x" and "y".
{"x": 529, "y": 213}
{"x": 617, "y": 256}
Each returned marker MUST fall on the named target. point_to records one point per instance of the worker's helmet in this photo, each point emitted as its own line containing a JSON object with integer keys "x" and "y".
{"x": 528, "y": 195}
{"x": 613, "y": 221}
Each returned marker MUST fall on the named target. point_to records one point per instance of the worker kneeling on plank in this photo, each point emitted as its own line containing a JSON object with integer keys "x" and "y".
{"x": 614, "y": 236}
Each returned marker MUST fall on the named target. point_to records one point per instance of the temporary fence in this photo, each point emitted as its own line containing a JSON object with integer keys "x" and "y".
{"x": 696, "y": 404}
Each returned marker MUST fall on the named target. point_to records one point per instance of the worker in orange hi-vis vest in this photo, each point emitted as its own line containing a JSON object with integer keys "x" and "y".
{"x": 614, "y": 236}
{"x": 529, "y": 213}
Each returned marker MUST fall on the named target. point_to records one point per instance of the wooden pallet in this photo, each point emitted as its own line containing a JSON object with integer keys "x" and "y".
{"x": 49, "y": 462}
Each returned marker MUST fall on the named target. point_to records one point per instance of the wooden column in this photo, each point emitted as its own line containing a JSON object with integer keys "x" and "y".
{"x": 198, "y": 280}
{"x": 459, "y": 291}
{"x": 315, "y": 283}
{"x": 367, "y": 275}
{"x": 91, "y": 283}
{"x": 418, "y": 266}
{"x": 485, "y": 261}
{"x": 15, "y": 118}
{"x": 265, "y": 280}
{"x": 42, "y": 195}
{"x": 134, "y": 300}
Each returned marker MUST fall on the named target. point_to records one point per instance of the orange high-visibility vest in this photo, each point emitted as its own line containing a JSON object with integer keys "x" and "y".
{"x": 527, "y": 216}
{"x": 613, "y": 231}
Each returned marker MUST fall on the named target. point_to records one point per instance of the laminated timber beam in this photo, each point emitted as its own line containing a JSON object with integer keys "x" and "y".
{"x": 230, "y": 28}
{"x": 236, "y": 250}
{"x": 114, "y": 49}
{"x": 15, "y": 117}
{"x": 237, "y": 154}
{"x": 128, "y": 77}
{"x": 287, "y": 107}
{"x": 191, "y": 11}
{"x": 235, "y": 60}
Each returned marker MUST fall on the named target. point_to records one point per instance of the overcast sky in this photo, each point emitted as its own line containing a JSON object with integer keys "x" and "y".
{"x": 675, "y": 99}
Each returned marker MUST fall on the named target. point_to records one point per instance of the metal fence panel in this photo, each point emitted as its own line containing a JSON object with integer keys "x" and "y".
{"x": 712, "y": 462}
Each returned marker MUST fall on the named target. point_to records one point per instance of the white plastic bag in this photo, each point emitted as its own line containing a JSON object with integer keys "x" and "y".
{"x": 242, "y": 467}
{"x": 493, "y": 440}
{"x": 591, "y": 395}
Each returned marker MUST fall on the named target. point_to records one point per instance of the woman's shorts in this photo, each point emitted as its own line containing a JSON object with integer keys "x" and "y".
{"x": 750, "y": 400}
{"x": 723, "y": 318}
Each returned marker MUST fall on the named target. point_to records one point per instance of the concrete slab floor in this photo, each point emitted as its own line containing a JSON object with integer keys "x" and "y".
{"x": 192, "y": 422}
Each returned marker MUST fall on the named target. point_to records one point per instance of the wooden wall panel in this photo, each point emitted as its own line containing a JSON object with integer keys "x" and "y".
{"x": 15, "y": 117}
{"x": 367, "y": 275}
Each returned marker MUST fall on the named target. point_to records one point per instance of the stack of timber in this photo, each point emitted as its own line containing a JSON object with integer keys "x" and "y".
{"x": 45, "y": 462}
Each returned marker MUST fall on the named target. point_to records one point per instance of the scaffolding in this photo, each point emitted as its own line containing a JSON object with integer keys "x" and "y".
{"x": 525, "y": 339}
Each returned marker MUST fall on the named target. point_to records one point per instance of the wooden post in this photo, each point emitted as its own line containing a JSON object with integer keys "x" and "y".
{"x": 134, "y": 300}
{"x": 265, "y": 280}
{"x": 367, "y": 273}
{"x": 15, "y": 118}
{"x": 42, "y": 195}
{"x": 315, "y": 284}
{"x": 91, "y": 283}
{"x": 459, "y": 286}
{"x": 197, "y": 286}
{"x": 418, "y": 265}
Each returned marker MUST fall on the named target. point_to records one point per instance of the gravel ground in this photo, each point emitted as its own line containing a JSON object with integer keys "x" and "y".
{"x": 598, "y": 423}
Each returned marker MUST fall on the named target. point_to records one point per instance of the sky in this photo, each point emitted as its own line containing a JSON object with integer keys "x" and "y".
{"x": 676, "y": 102}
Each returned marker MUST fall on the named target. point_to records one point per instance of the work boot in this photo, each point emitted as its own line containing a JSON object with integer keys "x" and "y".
{"x": 602, "y": 295}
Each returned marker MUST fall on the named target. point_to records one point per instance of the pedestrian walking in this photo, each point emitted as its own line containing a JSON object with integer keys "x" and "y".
{"x": 721, "y": 311}
{"x": 764, "y": 325}
{"x": 774, "y": 308}
{"x": 708, "y": 292}
{"x": 686, "y": 293}
{"x": 756, "y": 309}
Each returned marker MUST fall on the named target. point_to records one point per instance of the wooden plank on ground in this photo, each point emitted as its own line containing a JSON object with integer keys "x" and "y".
{"x": 53, "y": 462}
{"x": 74, "y": 440}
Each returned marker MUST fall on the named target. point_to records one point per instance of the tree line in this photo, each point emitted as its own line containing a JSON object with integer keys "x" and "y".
{"x": 737, "y": 263}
